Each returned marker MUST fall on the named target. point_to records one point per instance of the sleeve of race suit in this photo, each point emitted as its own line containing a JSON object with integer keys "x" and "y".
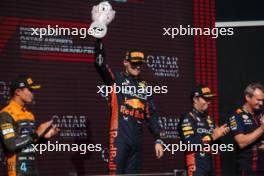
{"x": 100, "y": 64}
{"x": 188, "y": 132}
{"x": 236, "y": 124}
{"x": 10, "y": 140}
{"x": 152, "y": 120}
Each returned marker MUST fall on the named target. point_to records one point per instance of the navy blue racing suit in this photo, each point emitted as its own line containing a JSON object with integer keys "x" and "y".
{"x": 129, "y": 109}
{"x": 196, "y": 128}
{"x": 250, "y": 160}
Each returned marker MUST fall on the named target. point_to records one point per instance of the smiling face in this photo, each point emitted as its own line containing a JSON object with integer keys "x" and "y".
{"x": 255, "y": 101}
{"x": 134, "y": 69}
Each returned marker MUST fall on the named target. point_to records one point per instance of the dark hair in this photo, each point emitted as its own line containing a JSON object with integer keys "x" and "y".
{"x": 192, "y": 97}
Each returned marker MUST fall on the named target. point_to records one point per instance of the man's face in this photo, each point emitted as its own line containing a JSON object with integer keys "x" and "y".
{"x": 25, "y": 94}
{"x": 255, "y": 101}
{"x": 133, "y": 69}
{"x": 201, "y": 103}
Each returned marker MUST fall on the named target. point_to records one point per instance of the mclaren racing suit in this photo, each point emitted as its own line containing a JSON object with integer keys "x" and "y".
{"x": 196, "y": 128}
{"x": 250, "y": 159}
{"x": 129, "y": 110}
{"x": 17, "y": 127}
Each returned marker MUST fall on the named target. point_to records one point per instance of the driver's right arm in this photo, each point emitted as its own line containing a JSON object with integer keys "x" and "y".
{"x": 102, "y": 68}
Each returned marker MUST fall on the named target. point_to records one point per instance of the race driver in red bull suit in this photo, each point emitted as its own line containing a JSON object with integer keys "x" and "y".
{"x": 128, "y": 112}
{"x": 197, "y": 127}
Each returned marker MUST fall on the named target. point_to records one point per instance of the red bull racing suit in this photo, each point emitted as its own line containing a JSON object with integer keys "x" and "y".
{"x": 250, "y": 159}
{"x": 17, "y": 131}
{"x": 129, "y": 110}
{"x": 196, "y": 128}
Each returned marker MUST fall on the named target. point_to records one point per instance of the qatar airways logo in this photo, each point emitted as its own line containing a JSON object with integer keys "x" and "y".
{"x": 169, "y": 126}
{"x": 71, "y": 125}
{"x": 164, "y": 66}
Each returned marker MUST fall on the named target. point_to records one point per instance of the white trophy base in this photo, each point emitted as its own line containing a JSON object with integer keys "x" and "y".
{"x": 99, "y": 29}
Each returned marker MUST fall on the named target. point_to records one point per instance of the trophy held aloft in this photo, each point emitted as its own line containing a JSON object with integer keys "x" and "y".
{"x": 102, "y": 15}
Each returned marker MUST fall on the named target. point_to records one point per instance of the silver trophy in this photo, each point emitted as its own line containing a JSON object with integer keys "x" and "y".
{"x": 102, "y": 15}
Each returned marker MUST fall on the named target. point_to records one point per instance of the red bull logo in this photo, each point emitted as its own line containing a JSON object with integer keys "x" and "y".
{"x": 135, "y": 103}
{"x": 132, "y": 112}
{"x": 136, "y": 106}
{"x": 112, "y": 153}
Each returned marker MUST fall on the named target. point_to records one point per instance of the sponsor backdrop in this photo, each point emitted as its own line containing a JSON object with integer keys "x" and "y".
{"x": 63, "y": 65}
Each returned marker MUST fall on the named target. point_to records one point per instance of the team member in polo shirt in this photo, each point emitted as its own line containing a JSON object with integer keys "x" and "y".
{"x": 247, "y": 126}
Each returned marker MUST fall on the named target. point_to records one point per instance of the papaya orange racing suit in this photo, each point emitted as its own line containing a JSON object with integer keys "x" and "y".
{"x": 17, "y": 131}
